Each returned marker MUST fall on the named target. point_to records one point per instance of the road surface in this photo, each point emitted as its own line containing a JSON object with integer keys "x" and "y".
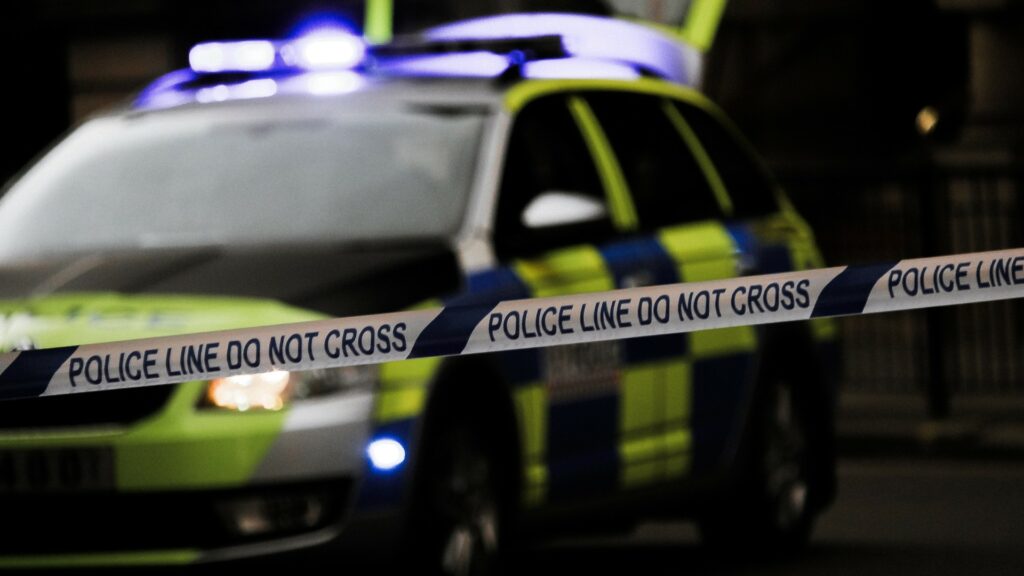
{"x": 962, "y": 517}
{"x": 905, "y": 518}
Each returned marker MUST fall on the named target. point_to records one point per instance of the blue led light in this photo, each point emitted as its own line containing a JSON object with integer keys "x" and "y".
{"x": 321, "y": 43}
{"x": 563, "y": 68}
{"x": 386, "y": 454}
{"x": 325, "y": 50}
{"x": 242, "y": 56}
{"x": 324, "y": 21}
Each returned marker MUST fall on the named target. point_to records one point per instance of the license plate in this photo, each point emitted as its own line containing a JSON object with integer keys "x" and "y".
{"x": 56, "y": 470}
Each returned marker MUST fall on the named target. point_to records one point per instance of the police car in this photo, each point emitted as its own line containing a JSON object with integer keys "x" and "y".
{"x": 285, "y": 180}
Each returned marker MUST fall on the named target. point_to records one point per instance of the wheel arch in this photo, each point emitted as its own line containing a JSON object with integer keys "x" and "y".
{"x": 472, "y": 388}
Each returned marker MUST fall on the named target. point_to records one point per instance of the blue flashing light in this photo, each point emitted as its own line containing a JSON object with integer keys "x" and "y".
{"x": 328, "y": 59}
{"x": 325, "y": 50}
{"x": 242, "y": 56}
{"x": 385, "y": 454}
{"x": 323, "y": 22}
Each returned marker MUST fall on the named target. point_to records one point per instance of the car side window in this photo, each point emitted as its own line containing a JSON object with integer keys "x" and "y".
{"x": 750, "y": 186}
{"x": 551, "y": 194}
{"x": 667, "y": 184}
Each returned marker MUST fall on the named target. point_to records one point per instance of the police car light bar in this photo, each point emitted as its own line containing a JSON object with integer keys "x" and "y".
{"x": 325, "y": 51}
{"x": 591, "y": 38}
{"x": 243, "y": 56}
{"x": 322, "y": 50}
{"x": 535, "y": 36}
{"x": 513, "y": 45}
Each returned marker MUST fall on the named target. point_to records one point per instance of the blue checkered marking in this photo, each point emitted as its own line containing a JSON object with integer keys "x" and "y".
{"x": 766, "y": 258}
{"x": 646, "y": 260}
{"x": 582, "y": 446}
{"x": 29, "y": 374}
{"x": 720, "y": 386}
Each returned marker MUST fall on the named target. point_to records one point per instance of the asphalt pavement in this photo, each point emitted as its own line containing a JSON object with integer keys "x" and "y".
{"x": 916, "y": 497}
{"x": 927, "y": 516}
{"x": 900, "y": 517}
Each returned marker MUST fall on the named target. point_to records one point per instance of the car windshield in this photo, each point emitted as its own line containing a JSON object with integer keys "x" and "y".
{"x": 239, "y": 176}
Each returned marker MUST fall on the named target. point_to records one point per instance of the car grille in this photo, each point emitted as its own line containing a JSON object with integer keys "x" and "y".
{"x": 75, "y": 410}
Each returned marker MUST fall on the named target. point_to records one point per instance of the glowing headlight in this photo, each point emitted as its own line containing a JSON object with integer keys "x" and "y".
{"x": 267, "y": 391}
{"x": 273, "y": 390}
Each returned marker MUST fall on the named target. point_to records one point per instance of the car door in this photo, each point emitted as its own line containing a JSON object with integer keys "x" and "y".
{"x": 777, "y": 238}
{"x": 774, "y": 238}
{"x": 681, "y": 396}
{"x": 555, "y": 210}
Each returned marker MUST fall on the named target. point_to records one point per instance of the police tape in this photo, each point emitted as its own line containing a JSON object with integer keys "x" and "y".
{"x": 474, "y": 327}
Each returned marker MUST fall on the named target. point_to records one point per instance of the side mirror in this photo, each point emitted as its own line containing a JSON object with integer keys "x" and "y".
{"x": 555, "y": 209}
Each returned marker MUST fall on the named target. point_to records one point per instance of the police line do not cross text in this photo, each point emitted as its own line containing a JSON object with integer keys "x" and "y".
{"x": 516, "y": 324}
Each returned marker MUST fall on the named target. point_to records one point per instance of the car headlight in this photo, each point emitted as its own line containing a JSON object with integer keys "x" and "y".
{"x": 274, "y": 390}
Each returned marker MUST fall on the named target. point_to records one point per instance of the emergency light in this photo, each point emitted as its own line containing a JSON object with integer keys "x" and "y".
{"x": 326, "y": 49}
{"x": 329, "y": 59}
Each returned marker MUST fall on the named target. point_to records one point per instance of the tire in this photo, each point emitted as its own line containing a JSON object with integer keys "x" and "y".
{"x": 770, "y": 510}
{"x": 458, "y": 510}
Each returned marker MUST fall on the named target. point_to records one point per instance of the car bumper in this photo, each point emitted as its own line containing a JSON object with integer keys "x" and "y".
{"x": 192, "y": 485}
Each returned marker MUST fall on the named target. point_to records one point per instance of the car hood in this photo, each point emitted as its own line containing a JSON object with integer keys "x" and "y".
{"x": 85, "y": 318}
{"x": 107, "y": 297}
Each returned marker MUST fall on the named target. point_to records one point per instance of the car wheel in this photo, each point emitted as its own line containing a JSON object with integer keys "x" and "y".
{"x": 785, "y": 465}
{"x": 459, "y": 511}
{"x": 769, "y": 510}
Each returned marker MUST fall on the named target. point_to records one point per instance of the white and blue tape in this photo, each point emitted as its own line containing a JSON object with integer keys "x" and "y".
{"x": 518, "y": 324}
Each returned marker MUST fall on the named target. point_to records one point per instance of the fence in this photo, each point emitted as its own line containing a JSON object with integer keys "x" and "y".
{"x": 942, "y": 207}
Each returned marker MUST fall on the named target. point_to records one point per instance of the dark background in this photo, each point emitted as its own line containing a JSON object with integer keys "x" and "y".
{"x": 829, "y": 90}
